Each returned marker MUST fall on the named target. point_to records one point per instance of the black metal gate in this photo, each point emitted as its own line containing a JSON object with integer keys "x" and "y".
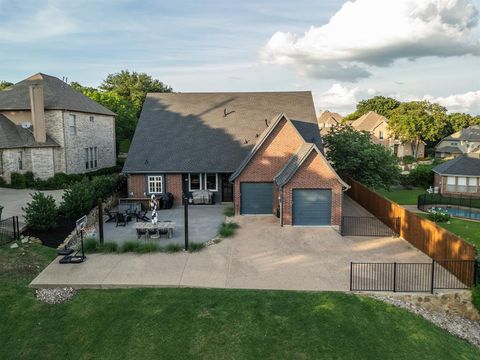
{"x": 369, "y": 226}
{"x": 9, "y": 230}
{"x": 413, "y": 277}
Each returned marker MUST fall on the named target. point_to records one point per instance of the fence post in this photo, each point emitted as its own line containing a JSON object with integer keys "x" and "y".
{"x": 476, "y": 275}
{"x": 394, "y": 277}
{"x": 433, "y": 275}
{"x": 351, "y": 275}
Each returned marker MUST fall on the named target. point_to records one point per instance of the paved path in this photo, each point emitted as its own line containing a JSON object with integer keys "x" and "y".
{"x": 262, "y": 255}
{"x": 14, "y": 199}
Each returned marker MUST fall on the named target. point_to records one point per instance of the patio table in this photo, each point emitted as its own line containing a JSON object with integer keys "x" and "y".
{"x": 169, "y": 226}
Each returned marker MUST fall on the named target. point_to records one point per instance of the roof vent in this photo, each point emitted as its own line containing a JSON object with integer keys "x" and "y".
{"x": 26, "y": 125}
{"x": 146, "y": 162}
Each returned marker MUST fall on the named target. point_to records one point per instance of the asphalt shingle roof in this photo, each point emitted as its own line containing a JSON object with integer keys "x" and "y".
{"x": 210, "y": 132}
{"x": 14, "y": 136}
{"x": 471, "y": 133}
{"x": 368, "y": 121}
{"x": 58, "y": 95}
{"x": 284, "y": 176}
{"x": 328, "y": 117}
{"x": 461, "y": 165}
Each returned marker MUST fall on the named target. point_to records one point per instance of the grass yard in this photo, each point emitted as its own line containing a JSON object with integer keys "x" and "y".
{"x": 402, "y": 196}
{"x": 466, "y": 229}
{"x": 206, "y": 323}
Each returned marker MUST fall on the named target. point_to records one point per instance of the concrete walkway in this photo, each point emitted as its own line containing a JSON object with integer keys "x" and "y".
{"x": 262, "y": 255}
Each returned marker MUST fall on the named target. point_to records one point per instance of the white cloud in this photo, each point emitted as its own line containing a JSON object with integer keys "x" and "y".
{"x": 367, "y": 33}
{"x": 341, "y": 99}
{"x": 468, "y": 102}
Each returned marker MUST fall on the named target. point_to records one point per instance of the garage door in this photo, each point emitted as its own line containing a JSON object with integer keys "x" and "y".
{"x": 312, "y": 207}
{"x": 256, "y": 198}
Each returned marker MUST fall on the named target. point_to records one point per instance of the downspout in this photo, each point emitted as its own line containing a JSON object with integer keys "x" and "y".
{"x": 280, "y": 202}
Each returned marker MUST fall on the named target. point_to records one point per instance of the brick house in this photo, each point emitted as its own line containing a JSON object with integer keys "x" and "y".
{"x": 261, "y": 151}
{"x": 377, "y": 125}
{"x": 465, "y": 141}
{"x": 460, "y": 176}
{"x": 47, "y": 127}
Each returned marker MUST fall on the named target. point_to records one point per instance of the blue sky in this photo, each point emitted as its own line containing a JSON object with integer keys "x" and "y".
{"x": 342, "y": 51}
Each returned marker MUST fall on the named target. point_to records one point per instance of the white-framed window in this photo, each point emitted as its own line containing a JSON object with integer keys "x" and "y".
{"x": 20, "y": 160}
{"x": 211, "y": 182}
{"x": 380, "y": 135}
{"x": 461, "y": 184}
{"x": 92, "y": 118}
{"x": 72, "y": 124}
{"x": 451, "y": 183}
{"x": 194, "y": 182}
{"x": 91, "y": 161}
{"x": 472, "y": 184}
{"x": 155, "y": 184}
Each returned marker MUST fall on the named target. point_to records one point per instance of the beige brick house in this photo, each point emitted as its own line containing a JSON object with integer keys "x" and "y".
{"x": 377, "y": 125}
{"x": 47, "y": 127}
{"x": 261, "y": 151}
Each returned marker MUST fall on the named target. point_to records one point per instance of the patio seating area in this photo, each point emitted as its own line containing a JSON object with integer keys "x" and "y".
{"x": 129, "y": 222}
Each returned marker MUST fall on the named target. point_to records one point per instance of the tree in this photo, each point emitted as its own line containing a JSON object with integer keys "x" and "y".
{"x": 417, "y": 121}
{"x": 380, "y": 104}
{"x": 459, "y": 121}
{"x": 126, "y": 119}
{"x": 354, "y": 154}
{"x": 4, "y": 84}
{"x": 133, "y": 86}
{"x": 41, "y": 213}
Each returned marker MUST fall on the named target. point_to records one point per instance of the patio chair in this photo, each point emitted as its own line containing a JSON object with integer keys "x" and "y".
{"x": 141, "y": 216}
{"x": 112, "y": 216}
{"x": 120, "y": 220}
{"x": 141, "y": 232}
{"x": 153, "y": 233}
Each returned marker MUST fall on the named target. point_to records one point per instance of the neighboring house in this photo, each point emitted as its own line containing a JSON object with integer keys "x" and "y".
{"x": 460, "y": 176}
{"x": 327, "y": 120}
{"x": 47, "y": 127}
{"x": 377, "y": 125}
{"x": 465, "y": 141}
{"x": 243, "y": 148}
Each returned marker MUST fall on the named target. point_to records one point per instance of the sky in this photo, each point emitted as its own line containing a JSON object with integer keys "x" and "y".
{"x": 343, "y": 51}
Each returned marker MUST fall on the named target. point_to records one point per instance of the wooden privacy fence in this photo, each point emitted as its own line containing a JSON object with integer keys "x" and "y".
{"x": 424, "y": 234}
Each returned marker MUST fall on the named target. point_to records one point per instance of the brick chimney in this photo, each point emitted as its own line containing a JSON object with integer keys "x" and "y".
{"x": 38, "y": 113}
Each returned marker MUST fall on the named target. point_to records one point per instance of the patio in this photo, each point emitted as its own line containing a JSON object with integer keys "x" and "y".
{"x": 203, "y": 224}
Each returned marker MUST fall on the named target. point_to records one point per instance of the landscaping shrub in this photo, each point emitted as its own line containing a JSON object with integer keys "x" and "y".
{"x": 130, "y": 246}
{"x": 3, "y": 183}
{"x": 476, "y": 297}
{"x": 408, "y": 159}
{"x": 229, "y": 211}
{"x": 194, "y": 247}
{"x": 17, "y": 181}
{"x": 227, "y": 229}
{"x": 29, "y": 179}
{"x": 147, "y": 248}
{"x": 91, "y": 245}
{"x": 78, "y": 199}
{"x": 438, "y": 215}
{"x": 41, "y": 213}
{"x": 102, "y": 186}
{"x": 421, "y": 176}
{"x": 171, "y": 248}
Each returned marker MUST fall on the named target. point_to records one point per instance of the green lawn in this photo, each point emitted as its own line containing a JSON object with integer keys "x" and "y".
{"x": 466, "y": 229}
{"x": 402, "y": 196}
{"x": 206, "y": 323}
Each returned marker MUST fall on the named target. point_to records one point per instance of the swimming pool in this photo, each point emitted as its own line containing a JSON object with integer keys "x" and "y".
{"x": 473, "y": 214}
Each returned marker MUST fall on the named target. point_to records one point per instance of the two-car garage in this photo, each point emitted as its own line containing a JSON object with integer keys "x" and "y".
{"x": 310, "y": 207}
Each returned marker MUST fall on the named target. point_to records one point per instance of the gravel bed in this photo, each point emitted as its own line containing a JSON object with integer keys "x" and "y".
{"x": 454, "y": 324}
{"x": 55, "y": 295}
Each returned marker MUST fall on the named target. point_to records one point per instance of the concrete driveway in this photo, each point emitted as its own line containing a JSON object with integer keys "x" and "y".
{"x": 262, "y": 255}
{"x": 14, "y": 199}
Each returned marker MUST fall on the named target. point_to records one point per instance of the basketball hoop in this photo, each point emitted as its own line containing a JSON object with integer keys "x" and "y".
{"x": 81, "y": 224}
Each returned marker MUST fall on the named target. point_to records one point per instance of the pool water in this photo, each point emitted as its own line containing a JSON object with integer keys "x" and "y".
{"x": 469, "y": 214}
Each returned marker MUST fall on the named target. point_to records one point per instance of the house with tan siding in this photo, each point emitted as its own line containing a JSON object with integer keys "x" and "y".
{"x": 260, "y": 151}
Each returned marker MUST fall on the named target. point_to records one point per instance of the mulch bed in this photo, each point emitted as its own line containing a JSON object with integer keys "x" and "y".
{"x": 53, "y": 238}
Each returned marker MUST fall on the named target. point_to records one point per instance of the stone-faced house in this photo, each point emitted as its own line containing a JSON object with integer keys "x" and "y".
{"x": 465, "y": 141}
{"x": 261, "y": 151}
{"x": 377, "y": 125}
{"x": 47, "y": 127}
{"x": 460, "y": 176}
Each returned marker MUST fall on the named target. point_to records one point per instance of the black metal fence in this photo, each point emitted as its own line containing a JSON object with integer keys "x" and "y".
{"x": 9, "y": 230}
{"x": 369, "y": 226}
{"x": 465, "y": 206}
{"x": 413, "y": 277}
